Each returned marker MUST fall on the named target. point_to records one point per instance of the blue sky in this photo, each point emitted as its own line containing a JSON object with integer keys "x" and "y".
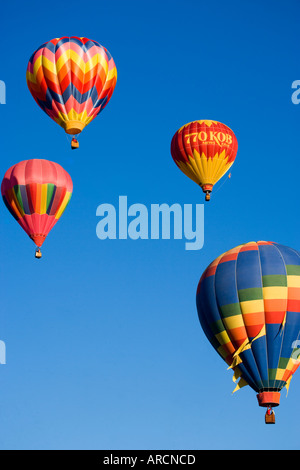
{"x": 104, "y": 346}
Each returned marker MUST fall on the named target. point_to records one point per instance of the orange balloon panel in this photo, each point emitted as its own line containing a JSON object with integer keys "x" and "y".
{"x": 204, "y": 151}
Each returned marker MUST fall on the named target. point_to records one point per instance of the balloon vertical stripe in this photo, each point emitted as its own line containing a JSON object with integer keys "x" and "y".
{"x": 36, "y": 193}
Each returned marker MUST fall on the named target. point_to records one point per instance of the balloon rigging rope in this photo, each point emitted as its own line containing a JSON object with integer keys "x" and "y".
{"x": 67, "y": 137}
{"x": 221, "y": 185}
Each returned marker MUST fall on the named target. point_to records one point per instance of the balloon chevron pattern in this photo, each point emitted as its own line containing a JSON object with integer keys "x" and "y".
{"x": 72, "y": 79}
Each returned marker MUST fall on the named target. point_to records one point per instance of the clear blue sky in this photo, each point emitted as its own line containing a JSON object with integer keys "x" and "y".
{"x": 104, "y": 347}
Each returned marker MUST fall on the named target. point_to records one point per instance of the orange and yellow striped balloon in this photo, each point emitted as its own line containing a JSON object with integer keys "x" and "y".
{"x": 72, "y": 79}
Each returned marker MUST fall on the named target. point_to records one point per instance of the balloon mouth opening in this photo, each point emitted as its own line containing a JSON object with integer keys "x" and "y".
{"x": 268, "y": 398}
{"x": 73, "y": 127}
{"x": 207, "y": 189}
{"x": 38, "y": 239}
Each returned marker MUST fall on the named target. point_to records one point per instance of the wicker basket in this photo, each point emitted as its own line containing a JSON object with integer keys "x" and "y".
{"x": 270, "y": 419}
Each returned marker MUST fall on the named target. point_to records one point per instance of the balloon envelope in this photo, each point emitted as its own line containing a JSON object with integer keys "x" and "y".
{"x": 72, "y": 79}
{"x": 248, "y": 302}
{"x": 36, "y": 192}
{"x": 204, "y": 151}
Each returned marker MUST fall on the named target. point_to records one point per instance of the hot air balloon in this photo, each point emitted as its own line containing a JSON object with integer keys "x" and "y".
{"x": 248, "y": 303}
{"x": 36, "y": 192}
{"x": 204, "y": 151}
{"x": 72, "y": 79}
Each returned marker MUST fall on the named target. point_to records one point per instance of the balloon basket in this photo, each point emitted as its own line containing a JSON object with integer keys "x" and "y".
{"x": 270, "y": 418}
{"x": 74, "y": 144}
{"x": 38, "y": 254}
